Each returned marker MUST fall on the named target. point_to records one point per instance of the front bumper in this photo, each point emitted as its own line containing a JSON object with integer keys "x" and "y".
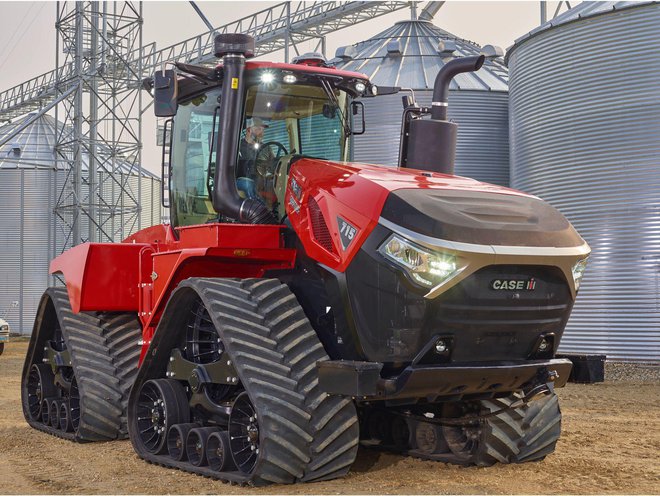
{"x": 363, "y": 380}
{"x": 4, "y": 338}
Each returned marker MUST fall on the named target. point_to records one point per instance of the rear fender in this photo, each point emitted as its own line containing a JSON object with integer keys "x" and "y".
{"x": 101, "y": 276}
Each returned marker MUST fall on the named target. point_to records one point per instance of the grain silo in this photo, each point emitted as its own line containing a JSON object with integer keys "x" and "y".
{"x": 410, "y": 54}
{"x": 585, "y": 135}
{"x": 29, "y": 190}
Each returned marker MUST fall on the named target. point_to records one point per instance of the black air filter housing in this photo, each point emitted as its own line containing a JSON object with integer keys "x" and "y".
{"x": 432, "y": 146}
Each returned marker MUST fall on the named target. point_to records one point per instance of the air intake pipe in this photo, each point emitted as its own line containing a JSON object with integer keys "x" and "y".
{"x": 432, "y": 142}
{"x": 234, "y": 50}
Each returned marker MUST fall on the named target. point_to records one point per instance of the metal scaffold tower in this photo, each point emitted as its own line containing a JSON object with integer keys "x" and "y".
{"x": 98, "y": 118}
{"x": 95, "y": 95}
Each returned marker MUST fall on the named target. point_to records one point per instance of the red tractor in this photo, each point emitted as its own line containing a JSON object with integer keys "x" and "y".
{"x": 300, "y": 304}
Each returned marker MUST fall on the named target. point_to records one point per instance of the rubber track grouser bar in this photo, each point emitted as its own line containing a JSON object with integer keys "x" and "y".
{"x": 104, "y": 355}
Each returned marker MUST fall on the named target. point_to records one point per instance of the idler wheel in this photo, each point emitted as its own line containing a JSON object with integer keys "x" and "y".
{"x": 40, "y": 386}
{"x": 161, "y": 404}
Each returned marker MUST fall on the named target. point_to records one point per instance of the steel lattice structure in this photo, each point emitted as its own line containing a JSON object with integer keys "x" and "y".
{"x": 95, "y": 92}
{"x": 98, "y": 107}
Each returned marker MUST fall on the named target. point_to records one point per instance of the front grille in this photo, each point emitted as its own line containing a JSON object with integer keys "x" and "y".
{"x": 489, "y": 324}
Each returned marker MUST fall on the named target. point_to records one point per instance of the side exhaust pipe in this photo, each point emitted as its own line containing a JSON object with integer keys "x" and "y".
{"x": 234, "y": 50}
{"x": 431, "y": 143}
{"x": 442, "y": 81}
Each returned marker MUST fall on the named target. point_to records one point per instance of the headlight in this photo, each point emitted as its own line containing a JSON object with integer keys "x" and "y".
{"x": 4, "y": 328}
{"x": 428, "y": 268}
{"x": 578, "y": 272}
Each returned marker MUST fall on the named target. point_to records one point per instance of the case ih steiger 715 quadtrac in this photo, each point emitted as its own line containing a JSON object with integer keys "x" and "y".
{"x": 300, "y": 303}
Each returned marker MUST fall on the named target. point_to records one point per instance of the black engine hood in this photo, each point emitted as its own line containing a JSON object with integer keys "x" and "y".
{"x": 483, "y": 218}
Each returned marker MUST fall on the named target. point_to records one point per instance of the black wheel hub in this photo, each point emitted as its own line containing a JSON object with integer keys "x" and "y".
{"x": 244, "y": 433}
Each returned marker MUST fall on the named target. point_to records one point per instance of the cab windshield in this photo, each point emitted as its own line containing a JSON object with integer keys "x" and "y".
{"x": 280, "y": 121}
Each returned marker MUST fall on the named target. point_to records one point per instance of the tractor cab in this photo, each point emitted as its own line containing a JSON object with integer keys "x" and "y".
{"x": 285, "y": 112}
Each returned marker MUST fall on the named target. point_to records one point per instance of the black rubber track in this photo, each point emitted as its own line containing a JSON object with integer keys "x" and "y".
{"x": 527, "y": 433}
{"x": 102, "y": 367}
{"x": 123, "y": 332}
{"x": 304, "y": 434}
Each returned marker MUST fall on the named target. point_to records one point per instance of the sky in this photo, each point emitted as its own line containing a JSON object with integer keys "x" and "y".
{"x": 28, "y": 37}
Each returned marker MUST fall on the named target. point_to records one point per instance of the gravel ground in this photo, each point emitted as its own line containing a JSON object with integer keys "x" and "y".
{"x": 610, "y": 444}
{"x": 641, "y": 372}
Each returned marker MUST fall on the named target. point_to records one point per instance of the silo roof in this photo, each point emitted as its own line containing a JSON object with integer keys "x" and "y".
{"x": 410, "y": 54}
{"x": 32, "y": 148}
{"x": 584, "y": 10}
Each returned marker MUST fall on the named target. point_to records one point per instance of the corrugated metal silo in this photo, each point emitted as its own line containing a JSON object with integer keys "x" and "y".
{"x": 29, "y": 186}
{"x": 585, "y": 135}
{"x": 410, "y": 54}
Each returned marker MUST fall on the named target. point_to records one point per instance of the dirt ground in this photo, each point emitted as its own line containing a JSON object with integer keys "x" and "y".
{"x": 610, "y": 444}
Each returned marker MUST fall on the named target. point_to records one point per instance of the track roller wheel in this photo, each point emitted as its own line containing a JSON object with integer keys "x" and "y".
{"x": 161, "y": 404}
{"x": 196, "y": 444}
{"x": 244, "y": 433}
{"x": 218, "y": 452}
{"x": 45, "y": 410}
{"x": 65, "y": 416}
{"x": 40, "y": 386}
{"x": 428, "y": 438}
{"x": 176, "y": 440}
{"x": 55, "y": 413}
{"x": 464, "y": 441}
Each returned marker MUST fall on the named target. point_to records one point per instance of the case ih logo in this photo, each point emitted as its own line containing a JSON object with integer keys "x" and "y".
{"x": 513, "y": 284}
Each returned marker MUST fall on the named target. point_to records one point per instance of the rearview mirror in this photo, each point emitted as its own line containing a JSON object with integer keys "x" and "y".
{"x": 358, "y": 115}
{"x": 166, "y": 91}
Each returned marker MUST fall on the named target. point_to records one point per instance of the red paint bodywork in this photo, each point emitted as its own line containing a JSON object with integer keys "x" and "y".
{"x": 139, "y": 274}
{"x": 357, "y": 193}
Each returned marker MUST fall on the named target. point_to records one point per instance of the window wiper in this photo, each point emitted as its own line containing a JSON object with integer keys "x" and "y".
{"x": 327, "y": 87}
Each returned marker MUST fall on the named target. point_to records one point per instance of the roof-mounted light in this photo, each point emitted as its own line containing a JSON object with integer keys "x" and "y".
{"x": 267, "y": 77}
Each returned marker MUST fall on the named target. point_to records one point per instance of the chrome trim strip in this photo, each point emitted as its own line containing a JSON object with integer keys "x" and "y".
{"x": 475, "y": 256}
{"x": 538, "y": 251}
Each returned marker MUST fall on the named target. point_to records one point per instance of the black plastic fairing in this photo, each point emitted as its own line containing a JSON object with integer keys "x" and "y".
{"x": 395, "y": 321}
{"x": 480, "y": 217}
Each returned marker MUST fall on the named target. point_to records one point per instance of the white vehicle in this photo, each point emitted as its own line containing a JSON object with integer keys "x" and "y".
{"x": 4, "y": 334}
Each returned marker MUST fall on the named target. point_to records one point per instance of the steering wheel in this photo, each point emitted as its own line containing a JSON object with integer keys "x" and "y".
{"x": 281, "y": 150}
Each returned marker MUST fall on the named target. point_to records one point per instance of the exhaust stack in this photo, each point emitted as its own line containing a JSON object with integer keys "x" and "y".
{"x": 432, "y": 142}
{"x": 234, "y": 50}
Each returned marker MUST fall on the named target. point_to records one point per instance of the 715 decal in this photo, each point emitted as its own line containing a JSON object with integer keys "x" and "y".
{"x": 346, "y": 232}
